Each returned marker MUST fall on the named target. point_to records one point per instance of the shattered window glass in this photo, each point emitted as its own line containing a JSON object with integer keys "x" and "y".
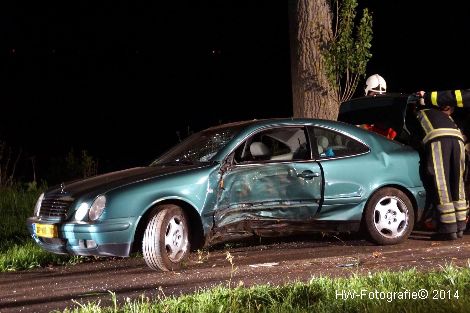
{"x": 199, "y": 147}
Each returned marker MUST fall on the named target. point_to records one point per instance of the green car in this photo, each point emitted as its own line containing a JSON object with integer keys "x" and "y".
{"x": 268, "y": 177}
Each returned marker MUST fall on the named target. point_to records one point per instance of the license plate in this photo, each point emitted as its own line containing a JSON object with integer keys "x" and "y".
{"x": 46, "y": 230}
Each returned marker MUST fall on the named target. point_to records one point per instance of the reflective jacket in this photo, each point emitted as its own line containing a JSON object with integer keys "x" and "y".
{"x": 437, "y": 124}
{"x": 458, "y": 98}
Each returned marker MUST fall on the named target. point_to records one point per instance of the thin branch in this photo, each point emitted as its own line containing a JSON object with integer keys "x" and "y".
{"x": 14, "y": 167}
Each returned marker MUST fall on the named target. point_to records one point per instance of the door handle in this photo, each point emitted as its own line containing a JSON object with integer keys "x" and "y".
{"x": 308, "y": 174}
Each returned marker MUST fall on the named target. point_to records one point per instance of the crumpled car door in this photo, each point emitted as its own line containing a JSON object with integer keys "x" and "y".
{"x": 269, "y": 193}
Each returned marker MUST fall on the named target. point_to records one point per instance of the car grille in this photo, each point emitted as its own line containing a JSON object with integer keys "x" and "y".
{"x": 55, "y": 205}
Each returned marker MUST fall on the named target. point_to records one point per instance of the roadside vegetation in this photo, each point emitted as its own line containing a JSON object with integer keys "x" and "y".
{"x": 16, "y": 204}
{"x": 17, "y": 199}
{"x": 447, "y": 290}
{"x": 17, "y": 249}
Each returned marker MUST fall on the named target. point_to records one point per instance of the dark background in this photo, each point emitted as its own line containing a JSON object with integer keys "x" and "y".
{"x": 124, "y": 79}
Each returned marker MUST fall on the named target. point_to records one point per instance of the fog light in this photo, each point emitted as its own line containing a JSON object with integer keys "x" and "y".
{"x": 87, "y": 244}
{"x": 81, "y": 244}
{"x": 90, "y": 244}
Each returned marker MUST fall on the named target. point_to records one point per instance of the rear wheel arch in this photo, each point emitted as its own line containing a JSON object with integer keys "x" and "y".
{"x": 402, "y": 189}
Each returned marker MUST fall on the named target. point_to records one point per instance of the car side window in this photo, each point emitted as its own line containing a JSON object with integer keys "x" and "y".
{"x": 276, "y": 144}
{"x": 327, "y": 143}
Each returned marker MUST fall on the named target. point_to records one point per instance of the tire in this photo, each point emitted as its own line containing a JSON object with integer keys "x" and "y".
{"x": 165, "y": 245}
{"x": 389, "y": 216}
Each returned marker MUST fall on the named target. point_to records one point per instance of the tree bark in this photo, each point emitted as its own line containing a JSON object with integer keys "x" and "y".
{"x": 310, "y": 32}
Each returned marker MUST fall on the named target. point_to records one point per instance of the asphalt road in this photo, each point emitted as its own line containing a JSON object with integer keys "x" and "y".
{"x": 268, "y": 261}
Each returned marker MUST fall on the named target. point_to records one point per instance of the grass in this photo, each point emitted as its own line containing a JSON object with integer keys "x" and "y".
{"x": 28, "y": 254}
{"x": 447, "y": 291}
{"x": 17, "y": 249}
{"x": 16, "y": 204}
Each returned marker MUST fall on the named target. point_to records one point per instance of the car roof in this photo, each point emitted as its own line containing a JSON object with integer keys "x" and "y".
{"x": 250, "y": 127}
{"x": 247, "y": 127}
{"x": 276, "y": 120}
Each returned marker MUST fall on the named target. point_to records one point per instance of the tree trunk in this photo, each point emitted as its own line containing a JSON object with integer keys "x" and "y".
{"x": 310, "y": 32}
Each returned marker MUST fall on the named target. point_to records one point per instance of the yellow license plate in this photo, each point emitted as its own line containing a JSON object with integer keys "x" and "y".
{"x": 46, "y": 230}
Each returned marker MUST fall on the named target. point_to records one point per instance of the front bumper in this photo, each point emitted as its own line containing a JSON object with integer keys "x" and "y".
{"x": 110, "y": 238}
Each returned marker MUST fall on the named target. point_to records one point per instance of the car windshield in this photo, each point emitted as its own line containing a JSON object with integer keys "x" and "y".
{"x": 199, "y": 147}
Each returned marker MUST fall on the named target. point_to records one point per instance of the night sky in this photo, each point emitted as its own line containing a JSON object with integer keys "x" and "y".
{"x": 121, "y": 78}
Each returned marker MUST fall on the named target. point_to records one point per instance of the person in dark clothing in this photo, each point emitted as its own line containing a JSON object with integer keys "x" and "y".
{"x": 445, "y": 160}
{"x": 455, "y": 98}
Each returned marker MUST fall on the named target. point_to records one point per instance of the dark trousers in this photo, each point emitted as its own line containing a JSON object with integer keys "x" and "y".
{"x": 446, "y": 165}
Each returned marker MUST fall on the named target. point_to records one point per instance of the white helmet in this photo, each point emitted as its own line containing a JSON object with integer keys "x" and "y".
{"x": 375, "y": 83}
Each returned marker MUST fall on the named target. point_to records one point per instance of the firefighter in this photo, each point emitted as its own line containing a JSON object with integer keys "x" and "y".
{"x": 375, "y": 84}
{"x": 459, "y": 98}
{"x": 445, "y": 164}
{"x": 456, "y": 98}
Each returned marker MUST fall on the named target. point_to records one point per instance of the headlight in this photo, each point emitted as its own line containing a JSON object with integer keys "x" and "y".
{"x": 97, "y": 208}
{"x": 81, "y": 211}
{"x": 37, "y": 207}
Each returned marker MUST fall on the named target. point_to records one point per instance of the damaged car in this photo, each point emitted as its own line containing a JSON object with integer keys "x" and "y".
{"x": 270, "y": 177}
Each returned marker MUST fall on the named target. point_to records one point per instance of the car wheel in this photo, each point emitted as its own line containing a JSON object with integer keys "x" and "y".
{"x": 165, "y": 245}
{"x": 389, "y": 216}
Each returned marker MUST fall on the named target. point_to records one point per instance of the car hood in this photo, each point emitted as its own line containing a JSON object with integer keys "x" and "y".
{"x": 102, "y": 183}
